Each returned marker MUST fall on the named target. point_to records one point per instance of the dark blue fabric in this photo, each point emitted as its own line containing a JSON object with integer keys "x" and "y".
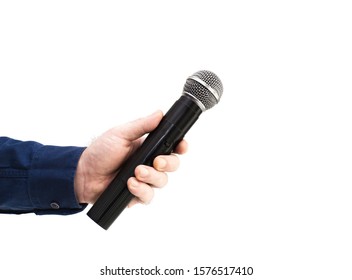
{"x": 38, "y": 178}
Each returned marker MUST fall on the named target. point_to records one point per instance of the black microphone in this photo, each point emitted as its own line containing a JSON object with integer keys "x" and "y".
{"x": 201, "y": 92}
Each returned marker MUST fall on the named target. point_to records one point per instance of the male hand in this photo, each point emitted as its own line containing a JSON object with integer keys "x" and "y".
{"x": 99, "y": 163}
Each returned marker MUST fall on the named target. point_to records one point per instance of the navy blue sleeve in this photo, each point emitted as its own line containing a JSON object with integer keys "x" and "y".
{"x": 38, "y": 178}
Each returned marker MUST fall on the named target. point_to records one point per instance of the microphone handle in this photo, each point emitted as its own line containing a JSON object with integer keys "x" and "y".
{"x": 162, "y": 141}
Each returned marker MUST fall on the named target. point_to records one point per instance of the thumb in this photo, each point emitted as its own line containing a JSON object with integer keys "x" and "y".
{"x": 137, "y": 128}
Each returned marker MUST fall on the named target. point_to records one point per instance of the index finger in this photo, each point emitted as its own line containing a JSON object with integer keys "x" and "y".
{"x": 182, "y": 147}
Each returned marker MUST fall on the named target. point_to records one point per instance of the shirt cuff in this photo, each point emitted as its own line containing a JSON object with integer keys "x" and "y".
{"x": 51, "y": 180}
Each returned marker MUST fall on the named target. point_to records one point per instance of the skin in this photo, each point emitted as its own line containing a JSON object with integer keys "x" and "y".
{"x": 99, "y": 163}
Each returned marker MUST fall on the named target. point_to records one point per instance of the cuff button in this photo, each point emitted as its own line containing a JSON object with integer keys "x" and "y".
{"x": 54, "y": 205}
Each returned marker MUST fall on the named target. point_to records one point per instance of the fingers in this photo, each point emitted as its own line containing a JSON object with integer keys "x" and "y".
{"x": 151, "y": 176}
{"x": 168, "y": 163}
{"x": 182, "y": 147}
{"x": 137, "y": 128}
{"x": 142, "y": 191}
{"x": 147, "y": 177}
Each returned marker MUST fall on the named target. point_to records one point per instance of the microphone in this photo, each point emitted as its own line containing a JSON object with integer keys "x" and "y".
{"x": 201, "y": 92}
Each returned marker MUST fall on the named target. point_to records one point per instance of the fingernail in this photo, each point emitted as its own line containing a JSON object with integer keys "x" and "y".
{"x": 143, "y": 172}
{"x": 161, "y": 163}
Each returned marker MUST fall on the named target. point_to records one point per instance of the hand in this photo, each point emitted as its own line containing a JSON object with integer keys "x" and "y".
{"x": 99, "y": 163}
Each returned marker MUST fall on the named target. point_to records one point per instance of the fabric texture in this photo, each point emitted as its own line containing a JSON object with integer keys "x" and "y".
{"x": 36, "y": 178}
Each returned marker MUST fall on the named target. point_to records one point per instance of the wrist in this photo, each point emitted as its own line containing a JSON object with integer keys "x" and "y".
{"x": 79, "y": 180}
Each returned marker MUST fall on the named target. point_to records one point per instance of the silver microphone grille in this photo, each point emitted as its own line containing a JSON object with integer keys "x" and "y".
{"x": 205, "y": 87}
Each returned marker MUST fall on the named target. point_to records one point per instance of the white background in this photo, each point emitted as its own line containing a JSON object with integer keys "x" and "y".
{"x": 266, "y": 182}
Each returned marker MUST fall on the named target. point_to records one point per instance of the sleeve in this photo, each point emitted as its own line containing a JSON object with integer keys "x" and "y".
{"x": 36, "y": 178}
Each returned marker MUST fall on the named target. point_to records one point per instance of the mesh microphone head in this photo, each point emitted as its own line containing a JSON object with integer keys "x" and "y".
{"x": 205, "y": 88}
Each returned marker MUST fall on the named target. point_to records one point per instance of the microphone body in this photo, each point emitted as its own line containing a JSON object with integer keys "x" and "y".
{"x": 201, "y": 92}
{"x": 163, "y": 140}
